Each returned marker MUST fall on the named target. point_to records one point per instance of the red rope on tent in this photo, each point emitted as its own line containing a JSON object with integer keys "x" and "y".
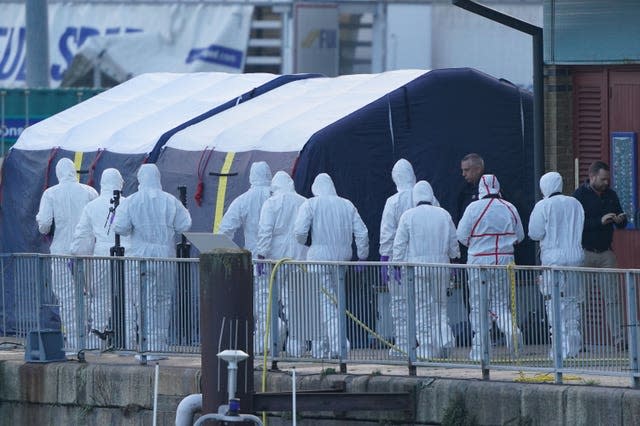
{"x": 92, "y": 167}
{"x": 202, "y": 167}
{"x": 295, "y": 167}
{"x": 52, "y": 155}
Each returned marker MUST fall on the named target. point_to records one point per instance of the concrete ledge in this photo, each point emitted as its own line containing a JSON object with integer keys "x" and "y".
{"x": 491, "y": 402}
{"x": 121, "y": 392}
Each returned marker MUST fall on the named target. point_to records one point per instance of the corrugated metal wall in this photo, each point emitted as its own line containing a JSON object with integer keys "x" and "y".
{"x": 591, "y": 31}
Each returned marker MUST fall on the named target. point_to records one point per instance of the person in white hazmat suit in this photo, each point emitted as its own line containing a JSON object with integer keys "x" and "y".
{"x": 332, "y": 222}
{"x": 244, "y": 212}
{"x": 490, "y": 227}
{"x": 93, "y": 229}
{"x": 62, "y": 205}
{"x": 404, "y": 178}
{"x": 426, "y": 234}
{"x": 276, "y": 240}
{"x": 152, "y": 218}
{"x": 557, "y": 222}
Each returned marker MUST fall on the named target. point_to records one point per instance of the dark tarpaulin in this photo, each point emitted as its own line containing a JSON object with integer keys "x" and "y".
{"x": 433, "y": 121}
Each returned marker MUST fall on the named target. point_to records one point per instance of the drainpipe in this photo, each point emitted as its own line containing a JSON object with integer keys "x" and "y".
{"x": 187, "y": 409}
{"x": 538, "y": 69}
{"x": 37, "y": 55}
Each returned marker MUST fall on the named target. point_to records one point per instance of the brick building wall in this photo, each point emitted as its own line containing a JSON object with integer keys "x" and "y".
{"x": 558, "y": 104}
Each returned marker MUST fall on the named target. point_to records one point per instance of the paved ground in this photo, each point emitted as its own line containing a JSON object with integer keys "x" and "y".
{"x": 16, "y": 353}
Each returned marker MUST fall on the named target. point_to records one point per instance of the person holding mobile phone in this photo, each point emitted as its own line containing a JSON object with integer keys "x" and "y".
{"x": 603, "y": 213}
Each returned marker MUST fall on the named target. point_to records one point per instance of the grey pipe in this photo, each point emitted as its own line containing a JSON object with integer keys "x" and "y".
{"x": 187, "y": 409}
{"x": 37, "y": 43}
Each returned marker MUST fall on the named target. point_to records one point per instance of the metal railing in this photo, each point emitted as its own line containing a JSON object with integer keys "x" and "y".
{"x": 104, "y": 303}
{"x": 523, "y": 318}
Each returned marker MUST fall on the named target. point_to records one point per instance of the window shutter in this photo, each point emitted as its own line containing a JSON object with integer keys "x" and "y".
{"x": 589, "y": 118}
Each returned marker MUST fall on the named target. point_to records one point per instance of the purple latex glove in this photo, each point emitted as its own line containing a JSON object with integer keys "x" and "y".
{"x": 360, "y": 268}
{"x": 384, "y": 269}
{"x": 260, "y": 266}
{"x": 397, "y": 273}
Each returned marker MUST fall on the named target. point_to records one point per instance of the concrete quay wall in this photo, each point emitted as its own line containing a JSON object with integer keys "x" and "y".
{"x": 72, "y": 393}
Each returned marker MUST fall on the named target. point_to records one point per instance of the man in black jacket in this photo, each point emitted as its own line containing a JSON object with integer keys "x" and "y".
{"x": 602, "y": 211}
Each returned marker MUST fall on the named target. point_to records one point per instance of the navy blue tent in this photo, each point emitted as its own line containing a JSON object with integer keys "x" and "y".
{"x": 433, "y": 121}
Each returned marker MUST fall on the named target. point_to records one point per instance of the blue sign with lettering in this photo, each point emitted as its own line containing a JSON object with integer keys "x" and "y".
{"x": 624, "y": 173}
{"x": 13, "y": 58}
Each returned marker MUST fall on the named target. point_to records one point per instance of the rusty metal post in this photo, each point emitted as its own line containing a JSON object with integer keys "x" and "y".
{"x": 226, "y": 322}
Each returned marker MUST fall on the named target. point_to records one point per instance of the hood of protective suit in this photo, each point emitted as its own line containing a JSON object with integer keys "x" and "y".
{"x": 260, "y": 174}
{"x": 281, "y": 182}
{"x": 488, "y": 185}
{"x": 323, "y": 185}
{"x": 149, "y": 178}
{"x": 66, "y": 171}
{"x": 550, "y": 183}
{"x": 110, "y": 181}
{"x": 422, "y": 192}
{"x": 403, "y": 175}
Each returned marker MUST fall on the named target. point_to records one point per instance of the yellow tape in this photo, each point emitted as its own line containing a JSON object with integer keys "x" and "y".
{"x": 267, "y": 328}
{"x": 514, "y": 317}
{"x": 544, "y": 378}
{"x": 222, "y": 191}
{"x": 77, "y": 162}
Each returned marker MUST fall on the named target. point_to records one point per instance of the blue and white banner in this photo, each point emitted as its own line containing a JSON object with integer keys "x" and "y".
{"x": 139, "y": 37}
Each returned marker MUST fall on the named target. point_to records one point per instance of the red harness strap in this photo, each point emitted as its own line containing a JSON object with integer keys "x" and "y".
{"x": 92, "y": 167}
{"x": 52, "y": 155}
{"x": 202, "y": 167}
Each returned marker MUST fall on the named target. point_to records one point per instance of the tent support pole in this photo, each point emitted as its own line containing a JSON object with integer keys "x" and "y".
{"x": 538, "y": 69}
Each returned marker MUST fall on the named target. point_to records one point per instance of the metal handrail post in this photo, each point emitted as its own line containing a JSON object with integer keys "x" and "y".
{"x": 275, "y": 318}
{"x": 410, "y": 285}
{"x": 79, "y": 282}
{"x": 484, "y": 324}
{"x": 556, "y": 324}
{"x": 2, "y": 294}
{"x": 341, "y": 270}
{"x": 143, "y": 289}
{"x": 632, "y": 315}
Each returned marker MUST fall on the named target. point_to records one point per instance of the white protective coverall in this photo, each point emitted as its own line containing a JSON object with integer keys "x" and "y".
{"x": 557, "y": 222}
{"x": 490, "y": 227}
{"x": 63, "y": 204}
{"x": 426, "y": 234}
{"x": 333, "y": 223}
{"x": 404, "y": 178}
{"x": 93, "y": 229}
{"x": 244, "y": 211}
{"x": 152, "y": 218}
{"x": 276, "y": 240}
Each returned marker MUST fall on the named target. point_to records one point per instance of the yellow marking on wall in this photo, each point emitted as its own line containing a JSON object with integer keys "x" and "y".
{"x": 77, "y": 162}
{"x": 222, "y": 191}
{"x": 310, "y": 38}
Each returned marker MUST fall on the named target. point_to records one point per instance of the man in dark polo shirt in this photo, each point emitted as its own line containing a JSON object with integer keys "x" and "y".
{"x": 602, "y": 211}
